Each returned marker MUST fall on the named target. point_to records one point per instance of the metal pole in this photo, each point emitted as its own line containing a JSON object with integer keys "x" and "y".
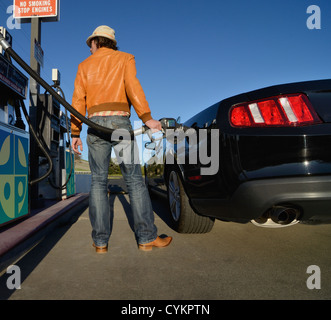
{"x": 33, "y": 99}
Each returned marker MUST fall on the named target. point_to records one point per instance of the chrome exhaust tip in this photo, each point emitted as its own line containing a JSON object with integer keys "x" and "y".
{"x": 278, "y": 217}
{"x": 284, "y": 216}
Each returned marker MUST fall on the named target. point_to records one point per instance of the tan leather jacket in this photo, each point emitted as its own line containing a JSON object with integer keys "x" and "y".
{"x": 106, "y": 81}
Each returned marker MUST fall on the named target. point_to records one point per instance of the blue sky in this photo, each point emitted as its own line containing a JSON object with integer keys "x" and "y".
{"x": 189, "y": 54}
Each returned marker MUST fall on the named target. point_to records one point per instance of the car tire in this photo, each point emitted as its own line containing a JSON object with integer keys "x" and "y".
{"x": 184, "y": 218}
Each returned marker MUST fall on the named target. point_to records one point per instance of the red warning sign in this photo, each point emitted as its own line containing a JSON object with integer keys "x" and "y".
{"x": 33, "y": 9}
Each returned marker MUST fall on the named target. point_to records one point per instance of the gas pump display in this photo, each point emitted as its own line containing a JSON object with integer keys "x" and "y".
{"x": 14, "y": 169}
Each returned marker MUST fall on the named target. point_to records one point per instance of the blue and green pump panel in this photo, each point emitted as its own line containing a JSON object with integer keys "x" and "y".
{"x": 14, "y": 174}
{"x": 70, "y": 160}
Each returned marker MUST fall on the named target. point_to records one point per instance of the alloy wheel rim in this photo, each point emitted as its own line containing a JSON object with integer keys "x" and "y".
{"x": 174, "y": 196}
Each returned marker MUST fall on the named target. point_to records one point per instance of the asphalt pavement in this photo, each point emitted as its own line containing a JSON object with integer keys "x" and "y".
{"x": 233, "y": 261}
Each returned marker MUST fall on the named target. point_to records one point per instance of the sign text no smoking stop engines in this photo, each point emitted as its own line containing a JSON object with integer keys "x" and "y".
{"x": 33, "y": 9}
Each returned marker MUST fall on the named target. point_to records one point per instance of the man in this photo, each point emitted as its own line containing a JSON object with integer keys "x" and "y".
{"x": 105, "y": 87}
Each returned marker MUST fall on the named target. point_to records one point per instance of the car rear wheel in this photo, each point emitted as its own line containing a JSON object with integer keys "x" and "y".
{"x": 184, "y": 219}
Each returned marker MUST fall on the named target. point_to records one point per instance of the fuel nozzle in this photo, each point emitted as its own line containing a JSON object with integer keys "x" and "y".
{"x": 171, "y": 123}
{"x": 4, "y": 44}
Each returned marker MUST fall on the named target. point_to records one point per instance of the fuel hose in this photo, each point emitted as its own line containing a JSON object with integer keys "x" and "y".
{"x": 34, "y": 134}
{"x": 8, "y": 49}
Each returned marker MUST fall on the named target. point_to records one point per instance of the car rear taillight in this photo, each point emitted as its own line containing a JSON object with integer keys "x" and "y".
{"x": 281, "y": 111}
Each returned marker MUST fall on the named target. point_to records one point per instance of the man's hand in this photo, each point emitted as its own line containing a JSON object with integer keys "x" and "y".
{"x": 155, "y": 125}
{"x": 76, "y": 144}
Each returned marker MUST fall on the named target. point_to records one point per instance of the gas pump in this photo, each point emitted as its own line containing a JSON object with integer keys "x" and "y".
{"x": 67, "y": 159}
{"x": 53, "y": 157}
{"x": 14, "y": 144}
{"x": 53, "y": 125}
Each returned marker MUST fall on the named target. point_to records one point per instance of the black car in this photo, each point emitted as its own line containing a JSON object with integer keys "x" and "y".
{"x": 271, "y": 154}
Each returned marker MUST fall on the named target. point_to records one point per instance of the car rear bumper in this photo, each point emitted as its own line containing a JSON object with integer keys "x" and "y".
{"x": 311, "y": 195}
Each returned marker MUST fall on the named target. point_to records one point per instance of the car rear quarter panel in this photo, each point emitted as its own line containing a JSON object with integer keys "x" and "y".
{"x": 278, "y": 152}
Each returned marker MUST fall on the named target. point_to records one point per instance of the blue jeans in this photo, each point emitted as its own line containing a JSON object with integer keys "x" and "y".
{"x": 100, "y": 148}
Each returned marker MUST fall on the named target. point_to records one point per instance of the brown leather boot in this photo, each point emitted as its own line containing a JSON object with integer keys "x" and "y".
{"x": 158, "y": 243}
{"x": 100, "y": 249}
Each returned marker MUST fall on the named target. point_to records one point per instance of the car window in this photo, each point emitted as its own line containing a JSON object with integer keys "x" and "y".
{"x": 204, "y": 118}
